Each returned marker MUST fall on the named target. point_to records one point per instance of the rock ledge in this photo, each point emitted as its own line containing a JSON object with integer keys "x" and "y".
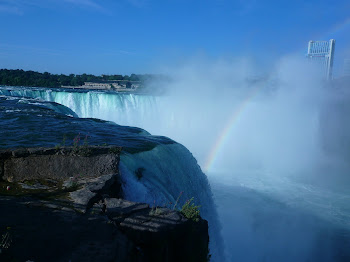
{"x": 67, "y": 205}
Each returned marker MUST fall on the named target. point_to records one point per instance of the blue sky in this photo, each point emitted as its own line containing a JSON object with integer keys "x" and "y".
{"x": 138, "y": 36}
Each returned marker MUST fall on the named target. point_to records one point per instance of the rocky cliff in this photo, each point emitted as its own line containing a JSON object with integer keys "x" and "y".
{"x": 66, "y": 204}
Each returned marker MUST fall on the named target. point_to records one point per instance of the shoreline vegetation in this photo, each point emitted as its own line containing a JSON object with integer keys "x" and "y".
{"x": 126, "y": 83}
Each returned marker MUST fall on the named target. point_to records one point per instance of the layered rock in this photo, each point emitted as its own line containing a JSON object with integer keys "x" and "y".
{"x": 58, "y": 163}
{"x": 66, "y": 204}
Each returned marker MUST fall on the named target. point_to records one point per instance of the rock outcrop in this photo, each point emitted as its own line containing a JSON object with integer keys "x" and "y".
{"x": 65, "y": 204}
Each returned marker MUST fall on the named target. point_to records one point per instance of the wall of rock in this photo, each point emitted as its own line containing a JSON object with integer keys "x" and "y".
{"x": 65, "y": 204}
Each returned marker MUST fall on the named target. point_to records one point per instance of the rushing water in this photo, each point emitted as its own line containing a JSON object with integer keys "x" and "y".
{"x": 168, "y": 168}
{"x": 278, "y": 196}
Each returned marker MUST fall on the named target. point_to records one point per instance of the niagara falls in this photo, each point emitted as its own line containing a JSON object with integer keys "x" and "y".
{"x": 199, "y": 131}
{"x": 274, "y": 163}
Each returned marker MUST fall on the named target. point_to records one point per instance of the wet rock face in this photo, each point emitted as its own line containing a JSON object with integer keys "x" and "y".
{"x": 54, "y": 215}
{"x": 24, "y": 164}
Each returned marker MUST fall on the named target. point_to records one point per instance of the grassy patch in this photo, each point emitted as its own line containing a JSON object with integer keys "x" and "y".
{"x": 190, "y": 210}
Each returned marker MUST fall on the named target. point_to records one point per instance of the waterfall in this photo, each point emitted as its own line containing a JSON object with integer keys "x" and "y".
{"x": 168, "y": 168}
{"x": 169, "y": 172}
{"x": 156, "y": 114}
{"x": 124, "y": 109}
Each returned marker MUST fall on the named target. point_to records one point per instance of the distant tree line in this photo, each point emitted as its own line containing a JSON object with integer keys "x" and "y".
{"x": 30, "y": 78}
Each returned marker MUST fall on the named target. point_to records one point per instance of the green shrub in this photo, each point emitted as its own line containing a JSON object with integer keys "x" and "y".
{"x": 190, "y": 210}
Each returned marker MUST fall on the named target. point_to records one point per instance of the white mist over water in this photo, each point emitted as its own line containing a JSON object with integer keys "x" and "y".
{"x": 268, "y": 118}
{"x": 281, "y": 195}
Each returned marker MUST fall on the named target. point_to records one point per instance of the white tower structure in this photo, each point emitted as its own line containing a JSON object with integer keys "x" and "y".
{"x": 322, "y": 53}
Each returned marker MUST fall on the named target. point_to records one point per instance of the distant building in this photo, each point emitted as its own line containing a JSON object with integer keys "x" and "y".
{"x": 322, "y": 53}
{"x": 347, "y": 67}
{"x": 93, "y": 85}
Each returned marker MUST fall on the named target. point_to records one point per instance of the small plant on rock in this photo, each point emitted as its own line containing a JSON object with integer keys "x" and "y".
{"x": 82, "y": 150}
{"x": 190, "y": 210}
{"x": 177, "y": 200}
{"x": 76, "y": 141}
{"x": 156, "y": 211}
{"x": 63, "y": 144}
{"x": 86, "y": 143}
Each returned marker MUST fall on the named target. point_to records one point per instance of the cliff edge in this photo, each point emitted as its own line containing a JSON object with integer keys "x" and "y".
{"x": 66, "y": 204}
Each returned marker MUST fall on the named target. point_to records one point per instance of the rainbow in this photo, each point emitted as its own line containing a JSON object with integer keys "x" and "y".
{"x": 225, "y": 134}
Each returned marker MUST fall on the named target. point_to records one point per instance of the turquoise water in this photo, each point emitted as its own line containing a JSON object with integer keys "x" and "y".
{"x": 261, "y": 227}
